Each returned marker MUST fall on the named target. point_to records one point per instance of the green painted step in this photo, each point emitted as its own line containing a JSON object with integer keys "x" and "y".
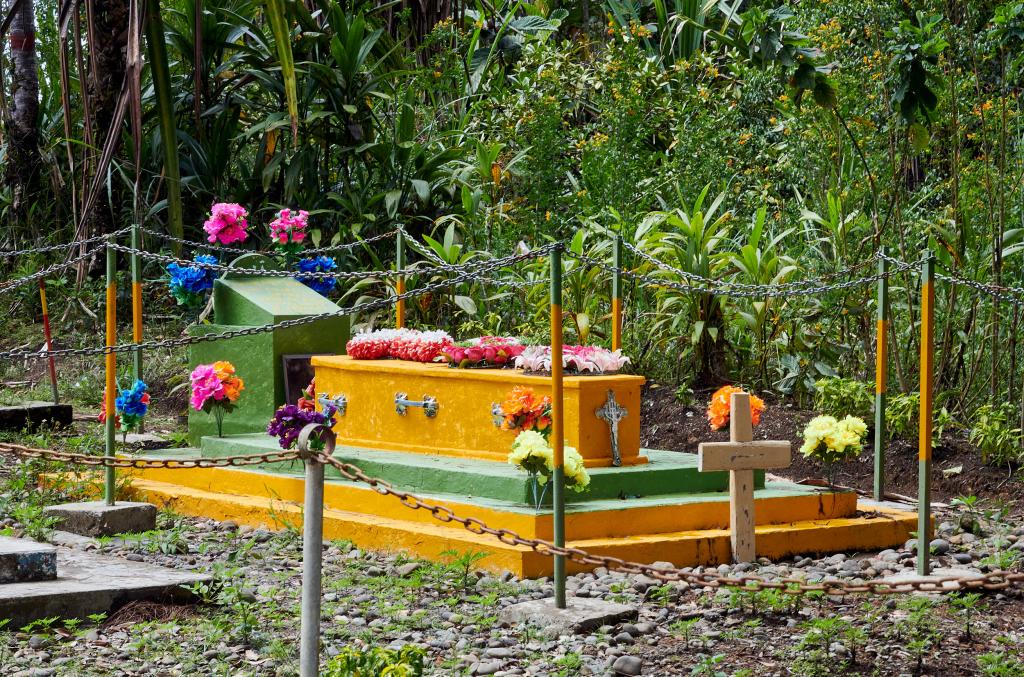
{"x": 575, "y": 504}
{"x": 668, "y": 473}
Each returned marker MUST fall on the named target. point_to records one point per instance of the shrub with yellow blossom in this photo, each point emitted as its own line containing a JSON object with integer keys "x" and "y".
{"x": 829, "y": 440}
{"x": 532, "y": 453}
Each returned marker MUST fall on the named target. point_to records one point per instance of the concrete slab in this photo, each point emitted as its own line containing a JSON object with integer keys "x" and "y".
{"x": 30, "y": 415}
{"x": 88, "y": 583}
{"x": 23, "y": 560}
{"x": 936, "y": 574}
{"x": 96, "y": 518}
{"x": 580, "y": 615}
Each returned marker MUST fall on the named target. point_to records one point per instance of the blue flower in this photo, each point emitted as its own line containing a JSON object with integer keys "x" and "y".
{"x": 189, "y": 282}
{"x": 319, "y": 264}
{"x": 133, "y": 404}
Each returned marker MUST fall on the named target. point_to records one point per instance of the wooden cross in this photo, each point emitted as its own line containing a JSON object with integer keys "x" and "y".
{"x": 741, "y": 456}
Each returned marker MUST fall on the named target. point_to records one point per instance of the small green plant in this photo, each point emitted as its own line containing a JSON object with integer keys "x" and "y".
{"x": 901, "y": 413}
{"x": 968, "y": 606}
{"x": 1001, "y": 663}
{"x": 353, "y": 662}
{"x": 684, "y": 396}
{"x": 36, "y": 525}
{"x": 684, "y": 628}
{"x": 462, "y": 564}
{"x": 707, "y": 666}
{"x": 919, "y": 627}
{"x": 814, "y": 651}
{"x": 570, "y": 663}
{"x": 993, "y": 434}
{"x": 969, "y": 517}
{"x": 840, "y": 397}
{"x": 43, "y": 626}
{"x": 661, "y": 594}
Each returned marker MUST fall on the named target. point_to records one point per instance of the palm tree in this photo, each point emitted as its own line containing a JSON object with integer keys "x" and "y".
{"x": 23, "y": 120}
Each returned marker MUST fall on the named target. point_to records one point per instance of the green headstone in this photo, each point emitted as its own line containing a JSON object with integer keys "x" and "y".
{"x": 243, "y": 301}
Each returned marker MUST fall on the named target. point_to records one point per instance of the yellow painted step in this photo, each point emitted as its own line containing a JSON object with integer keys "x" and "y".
{"x": 429, "y": 539}
{"x": 613, "y": 520}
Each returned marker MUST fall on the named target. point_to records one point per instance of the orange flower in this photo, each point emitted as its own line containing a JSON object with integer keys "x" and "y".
{"x": 233, "y": 387}
{"x": 223, "y": 370}
{"x": 718, "y": 409}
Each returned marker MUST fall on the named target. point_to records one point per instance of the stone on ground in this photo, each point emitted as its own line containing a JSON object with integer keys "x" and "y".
{"x": 580, "y": 615}
{"x": 936, "y": 574}
{"x": 96, "y": 518}
{"x": 30, "y": 415}
{"x": 88, "y": 583}
{"x": 22, "y": 560}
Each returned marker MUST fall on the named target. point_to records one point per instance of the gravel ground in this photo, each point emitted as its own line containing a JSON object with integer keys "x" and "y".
{"x": 248, "y": 623}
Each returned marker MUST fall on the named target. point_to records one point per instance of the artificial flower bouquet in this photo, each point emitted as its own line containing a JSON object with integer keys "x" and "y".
{"x": 522, "y": 410}
{"x": 227, "y": 223}
{"x": 399, "y": 344}
{"x": 189, "y": 284}
{"x": 532, "y": 453}
{"x": 131, "y": 406}
{"x": 575, "y": 360}
{"x": 830, "y": 440}
{"x": 288, "y": 231}
{"x": 216, "y": 389}
{"x": 721, "y": 403}
{"x": 317, "y": 264}
{"x": 290, "y": 419}
{"x": 482, "y": 352}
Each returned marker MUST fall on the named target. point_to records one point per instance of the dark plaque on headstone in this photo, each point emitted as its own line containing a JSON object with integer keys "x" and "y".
{"x": 298, "y": 372}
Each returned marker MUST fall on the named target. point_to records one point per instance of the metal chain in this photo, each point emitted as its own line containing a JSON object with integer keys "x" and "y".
{"x": 369, "y": 306}
{"x": 148, "y": 463}
{"x": 46, "y": 272}
{"x": 999, "y": 580}
{"x": 709, "y": 286}
{"x": 58, "y": 247}
{"x": 995, "y": 291}
{"x": 238, "y": 250}
{"x": 796, "y": 285}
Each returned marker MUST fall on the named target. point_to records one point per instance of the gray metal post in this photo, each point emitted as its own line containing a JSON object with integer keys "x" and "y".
{"x": 312, "y": 551}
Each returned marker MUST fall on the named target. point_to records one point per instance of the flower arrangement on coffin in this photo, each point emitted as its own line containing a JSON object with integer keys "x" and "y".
{"x": 227, "y": 223}
{"x": 131, "y": 406}
{"x": 523, "y": 410}
{"x": 317, "y": 264}
{"x": 288, "y": 231}
{"x": 400, "y": 344}
{"x": 829, "y": 440}
{"x": 485, "y": 351}
{"x": 575, "y": 359}
{"x": 721, "y": 402}
{"x": 532, "y": 453}
{"x": 216, "y": 389}
{"x": 189, "y": 284}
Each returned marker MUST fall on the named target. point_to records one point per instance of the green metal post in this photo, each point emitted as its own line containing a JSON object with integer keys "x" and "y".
{"x": 881, "y": 374}
{"x": 136, "y": 262}
{"x": 111, "y": 371}
{"x": 557, "y": 423}
{"x": 617, "y": 293}
{"x": 924, "y": 438}
{"x": 399, "y": 278}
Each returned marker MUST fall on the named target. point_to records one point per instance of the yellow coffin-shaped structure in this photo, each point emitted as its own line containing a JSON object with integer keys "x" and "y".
{"x": 463, "y": 422}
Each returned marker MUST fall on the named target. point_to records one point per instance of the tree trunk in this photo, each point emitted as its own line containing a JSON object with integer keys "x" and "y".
{"x": 23, "y": 170}
{"x": 108, "y": 45}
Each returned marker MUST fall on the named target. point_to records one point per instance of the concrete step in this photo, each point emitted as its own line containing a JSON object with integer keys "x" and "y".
{"x": 667, "y": 472}
{"x": 23, "y": 560}
{"x": 777, "y": 502}
{"x": 88, "y": 583}
{"x": 30, "y": 415}
{"x": 370, "y": 524}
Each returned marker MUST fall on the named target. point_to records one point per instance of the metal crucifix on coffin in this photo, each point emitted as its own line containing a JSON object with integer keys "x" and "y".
{"x": 611, "y": 413}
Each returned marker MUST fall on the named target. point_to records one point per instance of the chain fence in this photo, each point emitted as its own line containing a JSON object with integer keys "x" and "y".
{"x": 49, "y": 270}
{"x": 9, "y": 253}
{"x": 989, "y": 582}
{"x": 465, "y": 274}
{"x": 346, "y": 246}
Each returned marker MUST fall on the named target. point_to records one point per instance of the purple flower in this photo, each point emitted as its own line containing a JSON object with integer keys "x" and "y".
{"x": 289, "y": 420}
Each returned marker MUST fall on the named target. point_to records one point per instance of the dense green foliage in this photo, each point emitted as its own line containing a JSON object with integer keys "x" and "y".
{"x": 746, "y": 142}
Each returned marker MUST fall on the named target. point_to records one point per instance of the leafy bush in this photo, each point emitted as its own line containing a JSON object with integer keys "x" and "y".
{"x": 901, "y": 413}
{"x": 376, "y": 662}
{"x": 999, "y": 443}
{"x": 843, "y": 397}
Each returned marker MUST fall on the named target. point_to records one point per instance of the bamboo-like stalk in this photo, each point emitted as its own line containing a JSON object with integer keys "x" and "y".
{"x": 283, "y": 41}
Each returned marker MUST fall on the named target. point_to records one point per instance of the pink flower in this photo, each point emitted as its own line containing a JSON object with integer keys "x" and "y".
{"x": 289, "y": 228}
{"x": 205, "y": 384}
{"x": 227, "y": 223}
